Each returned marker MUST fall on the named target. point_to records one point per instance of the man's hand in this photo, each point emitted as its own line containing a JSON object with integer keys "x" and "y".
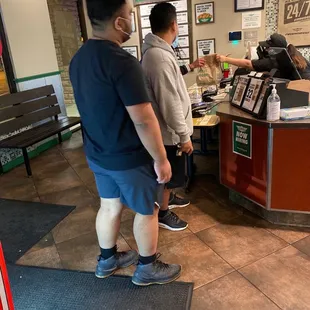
{"x": 187, "y": 148}
{"x": 200, "y": 62}
{"x": 163, "y": 171}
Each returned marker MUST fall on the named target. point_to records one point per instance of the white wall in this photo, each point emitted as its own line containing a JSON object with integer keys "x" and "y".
{"x": 225, "y": 20}
{"x": 30, "y": 36}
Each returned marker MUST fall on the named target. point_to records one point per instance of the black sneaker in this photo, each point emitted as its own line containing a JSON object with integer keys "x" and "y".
{"x": 156, "y": 273}
{"x": 172, "y": 222}
{"x": 107, "y": 267}
{"x": 178, "y": 202}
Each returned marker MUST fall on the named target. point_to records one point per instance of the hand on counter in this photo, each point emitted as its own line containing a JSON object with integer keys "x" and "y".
{"x": 187, "y": 147}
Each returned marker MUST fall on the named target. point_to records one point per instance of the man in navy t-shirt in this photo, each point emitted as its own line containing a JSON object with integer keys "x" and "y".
{"x": 122, "y": 141}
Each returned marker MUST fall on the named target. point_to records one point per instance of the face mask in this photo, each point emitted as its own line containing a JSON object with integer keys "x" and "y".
{"x": 130, "y": 31}
{"x": 175, "y": 43}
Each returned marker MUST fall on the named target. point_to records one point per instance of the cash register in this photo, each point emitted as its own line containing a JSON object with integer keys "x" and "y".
{"x": 250, "y": 91}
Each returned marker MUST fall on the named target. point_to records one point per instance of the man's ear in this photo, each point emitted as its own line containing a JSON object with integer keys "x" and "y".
{"x": 174, "y": 26}
{"x": 116, "y": 24}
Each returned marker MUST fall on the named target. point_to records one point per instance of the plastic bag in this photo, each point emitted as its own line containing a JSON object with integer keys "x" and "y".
{"x": 210, "y": 73}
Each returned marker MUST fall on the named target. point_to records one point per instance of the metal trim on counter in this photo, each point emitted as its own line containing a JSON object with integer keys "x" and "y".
{"x": 245, "y": 197}
{"x": 269, "y": 168}
{"x": 278, "y": 217}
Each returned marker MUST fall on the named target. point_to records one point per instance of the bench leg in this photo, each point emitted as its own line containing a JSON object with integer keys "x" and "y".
{"x": 60, "y": 138}
{"x": 27, "y": 162}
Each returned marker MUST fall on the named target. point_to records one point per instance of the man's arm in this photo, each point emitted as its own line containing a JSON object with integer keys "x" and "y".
{"x": 132, "y": 90}
{"x": 200, "y": 62}
{"x": 148, "y": 130}
{"x": 167, "y": 97}
{"x": 242, "y": 63}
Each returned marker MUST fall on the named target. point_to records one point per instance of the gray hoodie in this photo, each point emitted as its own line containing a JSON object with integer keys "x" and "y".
{"x": 170, "y": 98}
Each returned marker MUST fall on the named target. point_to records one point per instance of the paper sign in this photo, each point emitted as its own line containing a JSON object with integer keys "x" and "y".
{"x": 205, "y": 13}
{"x": 132, "y": 50}
{"x": 145, "y": 32}
{"x": 145, "y": 10}
{"x": 145, "y": 22}
{"x": 182, "y": 18}
{"x": 183, "y": 53}
{"x": 183, "y": 41}
{"x": 294, "y": 21}
{"x": 251, "y": 20}
{"x": 183, "y": 30}
{"x": 242, "y": 139}
{"x": 180, "y": 5}
{"x": 205, "y": 47}
{"x": 249, "y": 4}
{"x": 250, "y": 38}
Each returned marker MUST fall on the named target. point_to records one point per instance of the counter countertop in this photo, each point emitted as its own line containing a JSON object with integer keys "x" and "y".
{"x": 225, "y": 109}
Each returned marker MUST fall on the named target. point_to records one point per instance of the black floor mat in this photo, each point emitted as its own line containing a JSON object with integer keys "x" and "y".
{"x": 23, "y": 224}
{"x": 48, "y": 289}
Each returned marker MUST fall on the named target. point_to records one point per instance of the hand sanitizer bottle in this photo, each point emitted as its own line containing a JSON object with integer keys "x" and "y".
{"x": 273, "y": 105}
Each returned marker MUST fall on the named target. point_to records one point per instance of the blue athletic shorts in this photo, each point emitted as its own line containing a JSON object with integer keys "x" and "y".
{"x": 137, "y": 188}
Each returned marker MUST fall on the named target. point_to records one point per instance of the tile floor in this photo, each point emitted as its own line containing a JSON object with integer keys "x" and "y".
{"x": 237, "y": 261}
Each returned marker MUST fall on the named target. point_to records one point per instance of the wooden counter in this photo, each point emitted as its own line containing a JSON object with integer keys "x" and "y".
{"x": 277, "y": 176}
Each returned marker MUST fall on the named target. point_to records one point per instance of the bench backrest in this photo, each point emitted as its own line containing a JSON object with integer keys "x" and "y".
{"x": 26, "y": 108}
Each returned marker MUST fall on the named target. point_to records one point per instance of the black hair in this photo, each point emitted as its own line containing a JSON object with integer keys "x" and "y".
{"x": 101, "y": 11}
{"x": 162, "y": 16}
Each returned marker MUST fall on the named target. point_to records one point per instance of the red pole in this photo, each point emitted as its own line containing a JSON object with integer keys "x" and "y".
{"x": 6, "y": 283}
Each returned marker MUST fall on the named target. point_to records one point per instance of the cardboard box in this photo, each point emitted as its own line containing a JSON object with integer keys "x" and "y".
{"x": 301, "y": 85}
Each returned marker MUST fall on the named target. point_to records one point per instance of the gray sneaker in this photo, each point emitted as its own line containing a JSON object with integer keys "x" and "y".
{"x": 156, "y": 273}
{"x": 107, "y": 267}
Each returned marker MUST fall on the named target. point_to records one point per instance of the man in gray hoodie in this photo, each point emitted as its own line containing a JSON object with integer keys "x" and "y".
{"x": 171, "y": 104}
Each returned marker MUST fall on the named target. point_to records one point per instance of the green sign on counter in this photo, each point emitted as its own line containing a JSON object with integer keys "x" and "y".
{"x": 242, "y": 139}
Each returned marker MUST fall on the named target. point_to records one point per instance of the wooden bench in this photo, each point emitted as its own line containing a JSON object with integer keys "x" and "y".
{"x": 38, "y": 111}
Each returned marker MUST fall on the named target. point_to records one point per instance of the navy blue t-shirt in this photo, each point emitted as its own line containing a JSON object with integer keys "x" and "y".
{"x": 106, "y": 79}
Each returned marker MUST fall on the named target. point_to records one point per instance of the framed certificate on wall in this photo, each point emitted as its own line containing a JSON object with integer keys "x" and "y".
{"x": 205, "y": 47}
{"x": 249, "y": 5}
{"x": 132, "y": 50}
{"x": 204, "y": 13}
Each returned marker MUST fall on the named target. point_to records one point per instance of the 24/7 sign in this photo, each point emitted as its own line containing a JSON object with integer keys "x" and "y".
{"x": 242, "y": 139}
{"x": 295, "y": 11}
